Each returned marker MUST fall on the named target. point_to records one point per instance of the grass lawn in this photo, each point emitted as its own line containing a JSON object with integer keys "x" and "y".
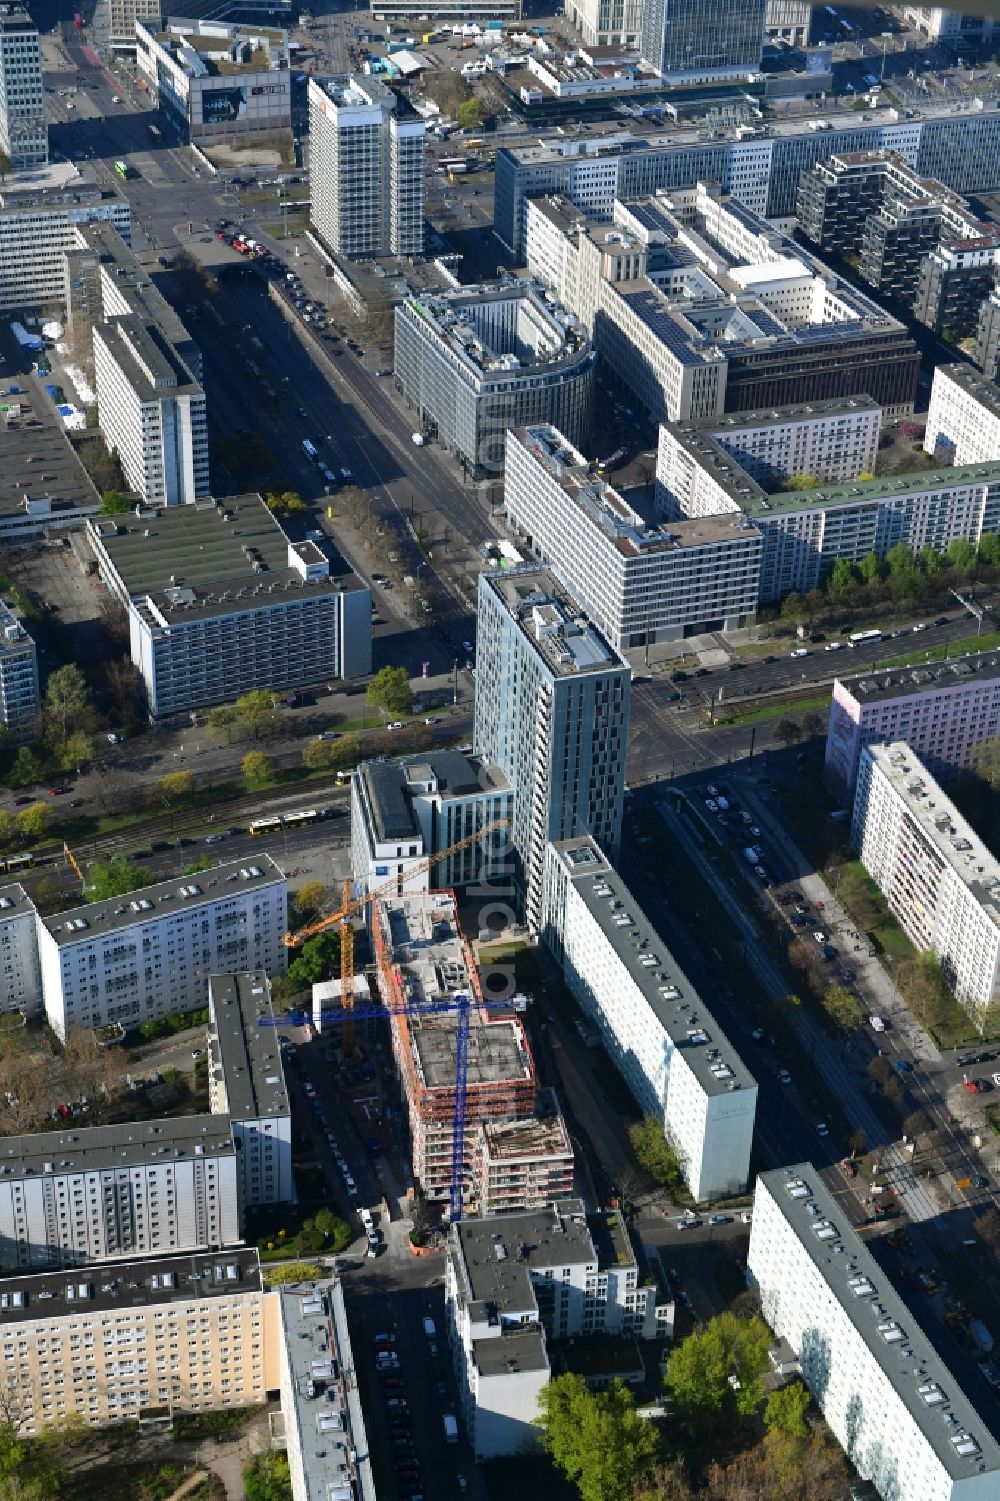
{"x": 986, "y": 642}
{"x": 777, "y": 711}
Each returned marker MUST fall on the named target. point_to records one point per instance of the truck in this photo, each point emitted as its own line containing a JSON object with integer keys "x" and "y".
{"x": 450, "y": 1428}
{"x": 429, "y": 1329}
{"x": 980, "y": 1336}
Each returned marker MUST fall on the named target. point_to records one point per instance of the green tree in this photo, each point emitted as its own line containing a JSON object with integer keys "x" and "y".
{"x": 256, "y": 767}
{"x": 200, "y": 862}
{"x": 65, "y": 699}
{"x": 788, "y": 731}
{"x": 258, "y": 712}
{"x": 320, "y": 755}
{"x": 813, "y": 724}
{"x": 27, "y": 768}
{"x": 841, "y": 582}
{"x": 870, "y": 569}
{"x": 843, "y": 1008}
{"x": 175, "y": 787}
{"x": 8, "y": 831}
{"x": 654, "y": 1153}
{"x": 469, "y": 114}
{"x": 930, "y": 562}
{"x": 115, "y": 503}
{"x": 717, "y": 1373}
{"x": 292, "y": 1271}
{"x": 596, "y": 1439}
{"x": 285, "y": 503}
{"x": 348, "y": 749}
{"x": 267, "y": 1477}
{"x": 33, "y": 820}
{"x": 75, "y": 750}
{"x": 389, "y": 690}
{"x": 900, "y": 560}
{"x": 917, "y": 1123}
{"x": 786, "y": 1408}
{"x": 793, "y": 607}
{"x": 802, "y": 481}
{"x": 961, "y": 554}
{"x": 309, "y": 900}
{"x": 316, "y": 960}
{"x": 115, "y": 877}
{"x": 986, "y": 758}
{"x": 989, "y": 549}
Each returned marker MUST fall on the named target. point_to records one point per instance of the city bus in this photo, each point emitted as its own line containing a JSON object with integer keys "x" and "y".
{"x": 309, "y": 449}
{"x": 860, "y": 637}
{"x": 299, "y": 819}
{"x": 16, "y": 862}
{"x": 265, "y": 826}
{"x": 474, "y": 143}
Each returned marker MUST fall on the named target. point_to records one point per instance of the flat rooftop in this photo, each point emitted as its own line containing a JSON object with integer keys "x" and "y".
{"x": 326, "y": 1403}
{"x": 59, "y": 185}
{"x": 972, "y": 381}
{"x": 954, "y": 838}
{"x": 129, "y": 1285}
{"x": 607, "y": 510}
{"x": 544, "y": 336}
{"x": 552, "y": 622}
{"x": 927, "y": 1387}
{"x": 132, "y": 282}
{"x": 497, "y": 1051}
{"x": 541, "y": 1135}
{"x": 245, "y": 1047}
{"x": 93, "y": 1148}
{"x": 147, "y": 359}
{"x": 499, "y": 1253}
{"x": 209, "y": 558}
{"x": 40, "y": 464}
{"x": 390, "y": 786}
{"x": 673, "y": 1002}
{"x": 803, "y": 411}
{"x": 950, "y": 676}
{"x": 859, "y": 491}
{"x": 521, "y": 1350}
{"x": 15, "y": 902}
{"x": 14, "y": 637}
{"x": 151, "y": 903}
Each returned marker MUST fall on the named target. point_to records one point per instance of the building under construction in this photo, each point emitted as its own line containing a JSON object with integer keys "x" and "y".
{"x": 423, "y": 956}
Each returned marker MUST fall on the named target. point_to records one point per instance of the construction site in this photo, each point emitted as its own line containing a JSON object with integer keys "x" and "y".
{"x": 468, "y": 1074}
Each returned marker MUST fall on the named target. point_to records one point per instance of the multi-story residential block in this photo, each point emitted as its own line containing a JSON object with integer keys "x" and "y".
{"x": 987, "y": 351}
{"x": 940, "y": 880}
{"x": 169, "y": 1335}
{"x": 806, "y": 531}
{"x": 325, "y": 1438}
{"x": 606, "y": 23}
{"x": 38, "y": 224}
{"x": 595, "y": 167}
{"x": 20, "y": 975}
{"x": 963, "y": 419}
{"x": 691, "y": 41}
{"x": 525, "y": 1162}
{"x": 552, "y": 701}
{"x": 152, "y": 412}
{"x": 788, "y": 21}
{"x": 882, "y": 1385}
{"x": 104, "y": 279}
{"x": 965, "y": 34}
{"x": 423, "y": 958}
{"x": 701, "y": 306}
{"x": 368, "y": 158}
{"x": 148, "y": 955}
{"x": 513, "y": 1281}
{"x": 677, "y": 1062}
{"x": 24, "y": 136}
{"x": 477, "y": 360}
{"x": 914, "y": 239}
{"x": 943, "y": 711}
{"x": 144, "y": 1188}
{"x": 220, "y": 602}
{"x": 831, "y": 441}
{"x": 246, "y": 1082}
{"x": 403, "y": 812}
{"x": 20, "y": 701}
{"x": 217, "y": 82}
{"x": 638, "y": 583}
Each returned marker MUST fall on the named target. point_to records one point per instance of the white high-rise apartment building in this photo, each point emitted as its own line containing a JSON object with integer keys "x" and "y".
{"x": 606, "y": 23}
{"x": 246, "y": 1082}
{"x": 943, "y": 711}
{"x": 23, "y": 133}
{"x": 368, "y": 169}
{"x": 152, "y": 411}
{"x": 513, "y": 1280}
{"x": 638, "y": 583}
{"x": 940, "y": 880}
{"x": 38, "y": 224}
{"x": 963, "y": 419}
{"x": 148, "y": 955}
{"x": 145, "y": 1188}
{"x": 552, "y": 701}
{"x": 177, "y": 1334}
{"x": 20, "y": 976}
{"x": 677, "y": 1062}
{"x": 892, "y": 1403}
{"x": 20, "y": 701}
